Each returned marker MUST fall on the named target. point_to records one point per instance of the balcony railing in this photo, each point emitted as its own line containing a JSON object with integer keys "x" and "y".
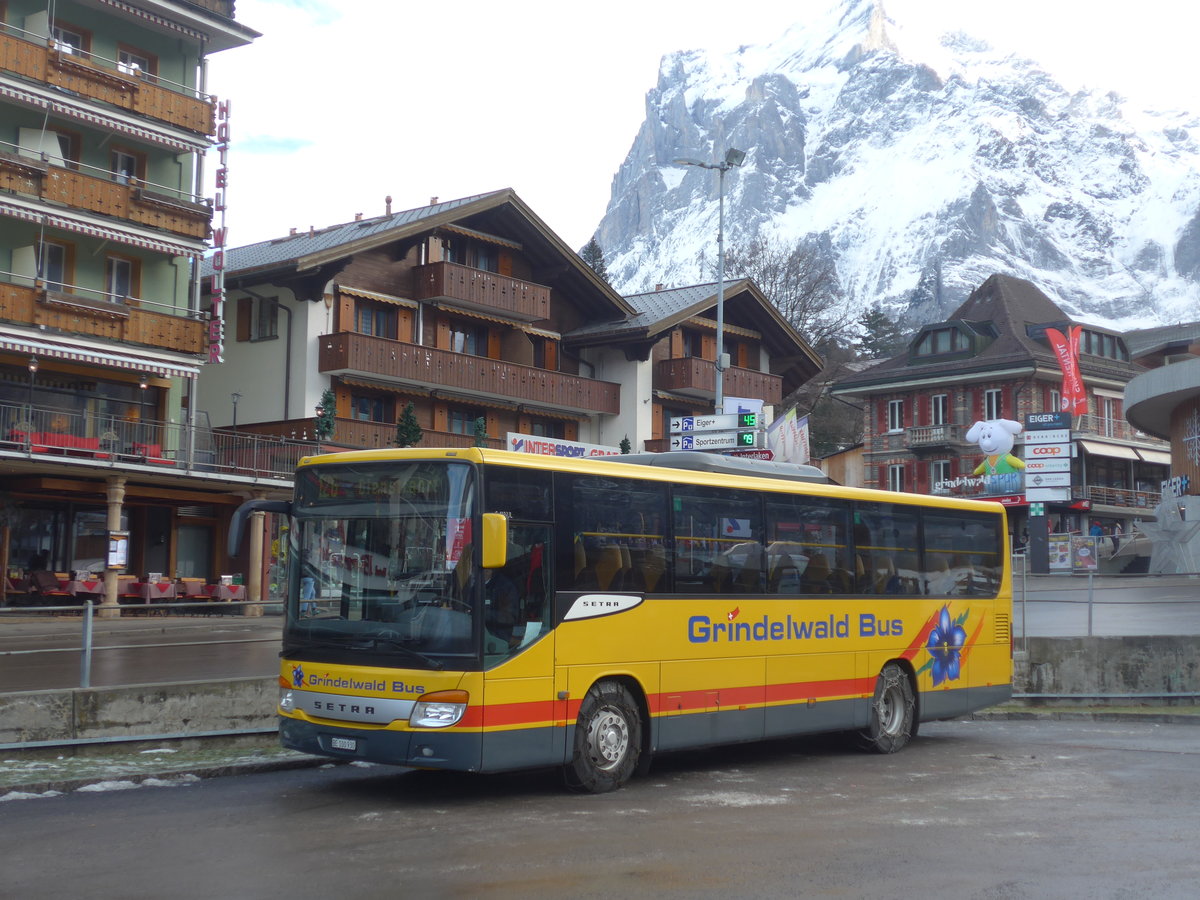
{"x": 934, "y": 435}
{"x": 1109, "y": 496}
{"x": 698, "y": 378}
{"x": 480, "y": 290}
{"x": 376, "y": 435}
{"x": 410, "y": 364}
{"x": 95, "y": 78}
{"x": 94, "y": 313}
{"x": 1104, "y": 427}
{"x": 109, "y": 442}
{"x": 95, "y": 190}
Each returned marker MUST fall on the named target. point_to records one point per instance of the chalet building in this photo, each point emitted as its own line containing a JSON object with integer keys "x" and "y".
{"x": 106, "y": 118}
{"x": 474, "y": 310}
{"x": 991, "y": 359}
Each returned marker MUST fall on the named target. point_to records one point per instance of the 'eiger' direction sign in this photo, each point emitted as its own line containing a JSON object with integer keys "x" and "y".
{"x": 723, "y": 422}
{"x": 720, "y": 440}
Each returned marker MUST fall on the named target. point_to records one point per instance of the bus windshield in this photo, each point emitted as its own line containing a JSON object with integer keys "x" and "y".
{"x": 379, "y": 558}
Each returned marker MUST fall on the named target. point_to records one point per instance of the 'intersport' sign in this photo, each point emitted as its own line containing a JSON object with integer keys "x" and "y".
{"x": 544, "y": 446}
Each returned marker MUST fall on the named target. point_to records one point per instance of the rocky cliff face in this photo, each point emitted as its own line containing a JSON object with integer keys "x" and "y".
{"x": 919, "y": 177}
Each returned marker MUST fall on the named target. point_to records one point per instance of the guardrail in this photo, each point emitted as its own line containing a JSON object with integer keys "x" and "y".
{"x": 86, "y": 648}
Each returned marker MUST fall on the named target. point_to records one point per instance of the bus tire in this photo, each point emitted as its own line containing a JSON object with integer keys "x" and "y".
{"x": 608, "y": 739}
{"x": 893, "y": 712}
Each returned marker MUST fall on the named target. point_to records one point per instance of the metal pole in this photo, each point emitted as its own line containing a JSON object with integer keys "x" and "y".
{"x": 85, "y": 661}
{"x": 1091, "y": 599}
{"x": 720, "y": 384}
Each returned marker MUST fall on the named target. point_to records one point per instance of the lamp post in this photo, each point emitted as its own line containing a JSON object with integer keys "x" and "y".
{"x": 733, "y": 158}
{"x": 235, "y": 397}
{"x": 33, "y": 367}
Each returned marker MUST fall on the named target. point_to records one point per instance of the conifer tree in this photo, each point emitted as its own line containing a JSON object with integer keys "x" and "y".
{"x": 408, "y": 430}
{"x": 593, "y": 254}
{"x": 481, "y": 432}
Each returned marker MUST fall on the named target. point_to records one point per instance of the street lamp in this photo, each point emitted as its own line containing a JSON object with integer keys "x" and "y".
{"x": 733, "y": 158}
{"x": 33, "y": 367}
{"x": 235, "y": 397}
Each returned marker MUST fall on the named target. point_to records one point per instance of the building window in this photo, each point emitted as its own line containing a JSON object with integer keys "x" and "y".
{"x": 896, "y": 477}
{"x": 125, "y": 166}
{"x": 895, "y": 415}
{"x": 470, "y": 339}
{"x": 54, "y": 265}
{"x": 939, "y": 409}
{"x": 266, "y": 319}
{"x": 70, "y": 40}
{"x": 374, "y": 319}
{"x": 1055, "y": 400}
{"x": 993, "y": 404}
{"x": 939, "y": 472}
{"x": 1108, "y": 414}
{"x": 367, "y": 408}
{"x": 548, "y": 428}
{"x": 120, "y": 278}
{"x": 942, "y": 340}
{"x": 462, "y": 421}
{"x": 693, "y": 344}
{"x": 131, "y": 61}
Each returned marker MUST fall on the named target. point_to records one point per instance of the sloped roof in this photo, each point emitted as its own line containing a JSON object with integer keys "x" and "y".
{"x": 1001, "y": 309}
{"x": 501, "y": 212}
{"x": 659, "y": 311}
{"x": 1152, "y": 340}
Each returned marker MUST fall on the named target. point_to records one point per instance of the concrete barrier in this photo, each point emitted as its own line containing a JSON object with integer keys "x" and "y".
{"x": 1151, "y": 667}
{"x": 139, "y": 710}
{"x": 1120, "y": 667}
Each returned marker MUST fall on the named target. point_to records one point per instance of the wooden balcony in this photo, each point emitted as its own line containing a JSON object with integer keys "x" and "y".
{"x": 92, "y": 79}
{"x": 378, "y": 435}
{"x": 698, "y": 378}
{"x": 484, "y": 291}
{"x": 1110, "y": 496}
{"x": 85, "y": 315}
{"x": 132, "y": 201}
{"x": 348, "y": 353}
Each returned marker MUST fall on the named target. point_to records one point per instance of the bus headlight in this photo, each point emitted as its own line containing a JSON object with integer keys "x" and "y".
{"x": 439, "y": 709}
{"x": 287, "y": 702}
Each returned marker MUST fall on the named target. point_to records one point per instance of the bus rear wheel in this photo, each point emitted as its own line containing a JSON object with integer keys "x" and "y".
{"x": 892, "y": 716}
{"x": 608, "y": 739}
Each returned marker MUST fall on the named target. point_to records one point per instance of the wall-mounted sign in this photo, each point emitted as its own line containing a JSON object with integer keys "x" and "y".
{"x": 216, "y": 322}
{"x": 118, "y": 550}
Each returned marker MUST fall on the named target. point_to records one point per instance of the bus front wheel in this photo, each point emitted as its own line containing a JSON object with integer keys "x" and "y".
{"x": 892, "y": 712}
{"x": 608, "y": 739}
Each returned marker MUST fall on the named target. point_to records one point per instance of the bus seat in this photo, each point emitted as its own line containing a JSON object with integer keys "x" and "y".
{"x": 816, "y": 577}
{"x": 608, "y": 564}
{"x": 654, "y": 564}
{"x": 580, "y": 558}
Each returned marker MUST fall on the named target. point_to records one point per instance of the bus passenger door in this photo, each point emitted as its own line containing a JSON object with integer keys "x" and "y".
{"x": 519, "y": 690}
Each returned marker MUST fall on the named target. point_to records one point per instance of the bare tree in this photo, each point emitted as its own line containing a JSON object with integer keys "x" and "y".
{"x": 799, "y": 280}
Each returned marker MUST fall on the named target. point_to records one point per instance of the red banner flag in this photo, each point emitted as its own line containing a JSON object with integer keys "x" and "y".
{"x": 1066, "y": 351}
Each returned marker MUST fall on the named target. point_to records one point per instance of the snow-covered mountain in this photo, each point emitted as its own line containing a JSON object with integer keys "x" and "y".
{"x": 921, "y": 164}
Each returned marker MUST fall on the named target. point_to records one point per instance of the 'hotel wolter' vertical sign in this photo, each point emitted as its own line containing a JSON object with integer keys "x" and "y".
{"x": 216, "y": 322}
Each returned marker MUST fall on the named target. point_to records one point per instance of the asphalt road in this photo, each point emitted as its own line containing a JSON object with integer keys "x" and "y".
{"x": 979, "y": 809}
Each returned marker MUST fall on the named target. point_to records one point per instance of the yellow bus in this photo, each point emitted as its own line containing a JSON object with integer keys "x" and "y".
{"x": 484, "y": 611}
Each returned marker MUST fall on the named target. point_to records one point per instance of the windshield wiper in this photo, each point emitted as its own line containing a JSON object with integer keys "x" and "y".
{"x": 397, "y": 644}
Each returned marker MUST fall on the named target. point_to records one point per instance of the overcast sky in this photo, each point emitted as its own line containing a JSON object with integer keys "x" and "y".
{"x": 345, "y": 102}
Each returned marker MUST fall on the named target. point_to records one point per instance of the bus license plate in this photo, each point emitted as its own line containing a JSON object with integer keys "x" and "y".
{"x": 343, "y": 743}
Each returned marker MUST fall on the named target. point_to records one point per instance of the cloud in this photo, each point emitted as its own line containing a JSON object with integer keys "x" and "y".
{"x": 266, "y": 143}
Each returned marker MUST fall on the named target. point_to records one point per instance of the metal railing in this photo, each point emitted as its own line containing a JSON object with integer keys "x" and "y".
{"x": 109, "y": 441}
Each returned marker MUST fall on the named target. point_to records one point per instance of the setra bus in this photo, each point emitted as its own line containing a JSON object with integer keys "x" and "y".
{"x": 481, "y": 610}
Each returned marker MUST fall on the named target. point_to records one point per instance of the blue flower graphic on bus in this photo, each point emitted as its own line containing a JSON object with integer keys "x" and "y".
{"x": 298, "y": 676}
{"x": 945, "y": 646}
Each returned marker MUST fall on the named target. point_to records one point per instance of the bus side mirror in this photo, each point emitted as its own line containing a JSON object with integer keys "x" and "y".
{"x": 495, "y": 540}
{"x": 237, "y": 524}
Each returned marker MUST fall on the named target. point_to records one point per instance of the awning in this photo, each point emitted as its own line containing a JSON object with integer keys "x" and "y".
{"x": 76, "y": 353}
{"x": 402, "y": 388}
{"x": 375, "y": 295}
{"x": 483, "y": 236}
{"x": 1158, "y": 457}
{"x": 81, "y": 226}
{"x": 1115, "y": 451}
{"x": 113, "y": 123}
